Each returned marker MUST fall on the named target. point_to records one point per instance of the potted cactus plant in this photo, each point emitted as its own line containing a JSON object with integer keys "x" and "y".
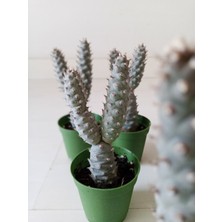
{"x": 176, "y": 145}
{"x": 136, "y": 127}
{"x": 104, "y": 184}
{"x": 73, "y": 143}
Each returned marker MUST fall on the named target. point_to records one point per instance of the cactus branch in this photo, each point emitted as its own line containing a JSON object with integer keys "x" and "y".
{"x": 84, "y": 120}
{"x": 112, "y": 57}
{"x": 84, "y": 65}
{"x": 135, "y": 73}
{"x": 116, "y": 100}
{"x": 131, "y": 120}
{"x": 137, "y": 66}
{"x": 60, "y": 65}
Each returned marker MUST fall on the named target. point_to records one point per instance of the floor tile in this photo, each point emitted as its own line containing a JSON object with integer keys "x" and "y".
{"x": 57, "y": 216}
{"x": 134, "y": 215}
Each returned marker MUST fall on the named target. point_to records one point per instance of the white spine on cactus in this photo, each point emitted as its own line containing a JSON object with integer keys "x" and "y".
{"x": 176, "y": 146}
{"x": 84, "y": 120}
{"x": 60, "y": 65}
{"x": 84, "y": 65}
{"x": 116, "y": 100}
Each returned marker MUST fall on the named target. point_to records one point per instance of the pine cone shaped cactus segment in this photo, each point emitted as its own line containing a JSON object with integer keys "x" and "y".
{"x": 60, "y": 65}
{"x": 131, "y": 123}
{"x": 137, "y": 66}
{"x": 176, "y": 146}
{"x": 112, "y": 57}
{"x": 135, "y": 73}
{"x": 84, "y": 65}
{"x": 116, "y": 100}
{"x": 84, "y": 120}
{"x": 103, "y": 166}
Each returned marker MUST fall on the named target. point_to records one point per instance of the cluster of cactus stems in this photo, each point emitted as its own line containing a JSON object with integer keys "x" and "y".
{"x": 176, "y": 145}
{"x": 102, "y": 161}
{"x": 84, "y": 67}
{"x": 136, "y": 70}
{"x": 120, "y": 108}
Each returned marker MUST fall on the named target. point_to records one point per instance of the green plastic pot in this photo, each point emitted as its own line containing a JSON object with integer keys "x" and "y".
{"x": 105, "y": 205}
{"x": 73, "y": 143}
{"x": 134, "y": 141}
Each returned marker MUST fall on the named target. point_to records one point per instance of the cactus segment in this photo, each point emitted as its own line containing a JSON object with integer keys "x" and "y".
{"x": 60, "y": 65}
{"x": 137, "y": 66}
{"x": 84, "y": 120}
{"x": 112, "y": 57}
{"x": 103, "y": 166}
{"x": 176, "y": 145}
{"x": 116, "y": 101}
{"x": 135, "y": 75}
{"x": 84, "y": 65}
{"x": 131, "y": 120}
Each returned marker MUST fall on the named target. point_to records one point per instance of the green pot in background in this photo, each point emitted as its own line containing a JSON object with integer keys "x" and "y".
{"x": 135, "y": 141}
{"x": 73, "y": 143}
{"x": 105, "y": 205}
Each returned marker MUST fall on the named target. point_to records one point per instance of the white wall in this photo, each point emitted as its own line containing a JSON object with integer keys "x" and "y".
{"x": 106, "y": 24}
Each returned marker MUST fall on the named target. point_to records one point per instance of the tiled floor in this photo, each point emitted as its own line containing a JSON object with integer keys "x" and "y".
{"x": 53, "y": 196}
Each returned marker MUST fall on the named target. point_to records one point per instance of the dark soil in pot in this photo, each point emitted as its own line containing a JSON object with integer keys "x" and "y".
{"x": 125, "y": 174}
{"x": 139, "y": 127}
{"x": 68, "y": 126}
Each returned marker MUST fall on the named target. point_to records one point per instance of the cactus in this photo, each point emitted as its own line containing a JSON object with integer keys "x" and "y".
{"x": 84, "y": 65}
{"x": 176, "y": 145}
{"x": 102, "y": 161}
{"x": 135, "y": 75}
